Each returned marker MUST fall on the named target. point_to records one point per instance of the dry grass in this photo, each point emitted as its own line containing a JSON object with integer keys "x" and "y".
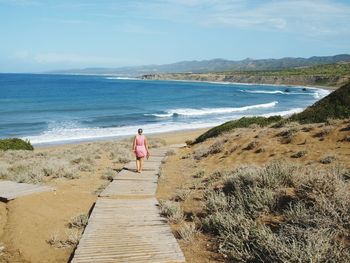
{"x": 215, "y": 148}
{"x": 79, "y": 221}
{"x": 280, "y": 213}
{"x": 170, "y": 153}
{"x": 41, "y": 166}
{"x": 70, "y": 239}
{"x": 287, "y": 135}
{"x": 108, "y": 175}
{"x": 252, "y": 145}
{"x": 182, "y": 194}
{"x": 199, "y": 174}
{"x": 187, "y": 232}
{"x": 101, "y": 188}
{"x": 172, "y": 211}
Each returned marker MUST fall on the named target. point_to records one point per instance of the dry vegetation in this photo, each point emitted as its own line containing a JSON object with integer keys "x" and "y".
{"x": 46, "y": 227}
{"x": 41, "y": 166}
{"x": 263, "y": 194}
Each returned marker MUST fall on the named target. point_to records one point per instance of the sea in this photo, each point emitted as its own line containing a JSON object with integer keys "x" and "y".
{"x": 57, "y": 109}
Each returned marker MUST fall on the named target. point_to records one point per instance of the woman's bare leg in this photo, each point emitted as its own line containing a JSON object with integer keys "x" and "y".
{"x": 141, "y": 164}
{"x": 137, "y": 165}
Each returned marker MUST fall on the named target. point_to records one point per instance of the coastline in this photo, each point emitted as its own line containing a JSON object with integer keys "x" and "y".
{"x": 174, "y": 137}
{"x": 183, "y": 129}
{"x": 329, "y": 88}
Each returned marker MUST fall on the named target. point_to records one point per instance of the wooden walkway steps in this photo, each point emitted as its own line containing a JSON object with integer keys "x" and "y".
{"x": 127, "y": 231}
{"x": 125, "y": 225}
{"x": 131, "y": 187}
{"x": 10, "y": 190}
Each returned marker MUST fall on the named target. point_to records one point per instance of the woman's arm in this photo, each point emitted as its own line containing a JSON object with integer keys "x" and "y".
{"x": 146, "y": 145}
{"x": 134, "y": 145}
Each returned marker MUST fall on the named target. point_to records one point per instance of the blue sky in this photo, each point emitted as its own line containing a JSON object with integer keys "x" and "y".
{"x": 38, "y": 35}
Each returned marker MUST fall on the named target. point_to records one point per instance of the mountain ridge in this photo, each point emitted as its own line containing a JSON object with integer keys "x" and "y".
{"x": 212, "y": 65}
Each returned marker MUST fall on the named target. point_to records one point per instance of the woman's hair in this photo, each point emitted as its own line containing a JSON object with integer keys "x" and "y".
{"x": 139, "y": 131}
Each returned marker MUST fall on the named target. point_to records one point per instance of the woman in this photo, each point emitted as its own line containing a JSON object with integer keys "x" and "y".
{"x": 140, "y": 148}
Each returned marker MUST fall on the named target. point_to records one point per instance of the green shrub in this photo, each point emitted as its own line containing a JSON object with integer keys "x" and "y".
{"x": 335, "y": 106}
{"x": 244, "y": 122}
{"x": 15, "y": 144}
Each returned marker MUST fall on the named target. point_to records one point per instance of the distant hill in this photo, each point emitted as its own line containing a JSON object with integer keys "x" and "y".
{"x": 214, "y": 65}
{"x": 333, "y": 75}
{"x": 335, "y": 106}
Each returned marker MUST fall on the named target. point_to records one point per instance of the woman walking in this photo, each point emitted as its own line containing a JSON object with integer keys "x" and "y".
{"x": 140, "y": 148}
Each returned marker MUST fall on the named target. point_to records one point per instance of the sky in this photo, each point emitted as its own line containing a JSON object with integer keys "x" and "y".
{"x": 39, "y": 35}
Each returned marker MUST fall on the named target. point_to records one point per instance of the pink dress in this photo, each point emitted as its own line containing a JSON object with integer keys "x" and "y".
{"x": 140, "y": 150}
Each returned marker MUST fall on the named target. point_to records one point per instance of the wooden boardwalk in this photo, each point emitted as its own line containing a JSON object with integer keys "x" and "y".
{"x": 125, "y": 225}
{"x": 127, "y": 231}
{"x": 10, "y": 190}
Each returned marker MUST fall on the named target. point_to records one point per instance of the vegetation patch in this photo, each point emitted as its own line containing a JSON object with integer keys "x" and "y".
{"x": 299, "y": 154}
{"x": 15, "y": 144}
{"x": 172, "y": 211}
{"x": 335, "y": 106}
{"x": 328, "y": 159}
{"x": 187, "y": 232}
{"x": 71, "y": 239}
{"x": 79, "y": 221}
{"x": 244, "y": 122}
{"x": 280, "y": 213}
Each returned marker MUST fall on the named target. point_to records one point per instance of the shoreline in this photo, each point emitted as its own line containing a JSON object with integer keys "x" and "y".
{"x": 173, "y": 137}
{"x": 329, "y": 88}
{"x": 119, "y": 77}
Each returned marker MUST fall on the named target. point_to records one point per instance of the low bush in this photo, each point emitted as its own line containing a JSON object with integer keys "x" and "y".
{"x": 15, "y": 144}
{"x": 187, "y": 232}
{"x": 298, "y": 154}
{"x": 328, "y": 159}
{"x": 252, "y": 145}
{"x": 172, "y": 211}
{"x": 287, "y": 135}
{"x": 215, "y": 148}
{"x": 79, "y": 221}
{"x": 71, "y": 240}
{"x": 182, "y": 194}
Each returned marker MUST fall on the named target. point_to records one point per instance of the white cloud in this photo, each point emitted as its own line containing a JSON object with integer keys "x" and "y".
{"x": 305, "y": 17}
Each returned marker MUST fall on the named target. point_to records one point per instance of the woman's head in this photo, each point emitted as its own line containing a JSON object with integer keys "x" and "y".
{"x": 140, "y": 131}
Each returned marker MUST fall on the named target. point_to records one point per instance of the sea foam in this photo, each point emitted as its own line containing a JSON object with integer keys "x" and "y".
{"x": 209, "y": 111}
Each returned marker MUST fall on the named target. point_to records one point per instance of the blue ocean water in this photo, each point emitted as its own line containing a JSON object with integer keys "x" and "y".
{"x": 52, "y": 109}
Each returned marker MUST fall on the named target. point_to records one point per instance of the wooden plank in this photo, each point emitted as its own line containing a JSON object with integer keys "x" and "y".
{"x": 130, "y": 175}
{"x": 10, "y": 190}
{"x": 130, "y": 188}
{"x": 111, "y": 237}
{"x": 148, "y": 166}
